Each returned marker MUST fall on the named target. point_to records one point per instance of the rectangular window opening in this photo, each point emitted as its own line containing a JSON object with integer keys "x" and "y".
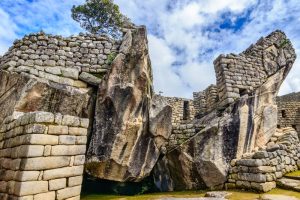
{"x": 283, "y": 114}
{"x": 186, "y": 110}
{"x": 278, "y": 126}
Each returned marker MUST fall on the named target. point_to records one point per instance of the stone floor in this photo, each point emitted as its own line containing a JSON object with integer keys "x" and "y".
{"x": 290, "y": 183}
{"x": 277, "y": 197}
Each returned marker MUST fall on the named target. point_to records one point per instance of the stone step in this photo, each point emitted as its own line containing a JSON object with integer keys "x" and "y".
{"x": 293, "y": 177}
{"x": 288, "y": 183}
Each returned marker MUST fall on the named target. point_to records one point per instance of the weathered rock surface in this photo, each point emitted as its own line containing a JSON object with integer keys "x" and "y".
{"x": 24, "y": 94}
{"x": 288, "y": 183}
{"x": 241, "y": 127}
{"x": 218, "y": 194}
{"x": 130, "y": 125}
{"x": 89, "y": 78}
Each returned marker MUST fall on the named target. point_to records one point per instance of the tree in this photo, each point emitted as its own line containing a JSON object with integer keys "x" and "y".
{"x": 99, "y": 17}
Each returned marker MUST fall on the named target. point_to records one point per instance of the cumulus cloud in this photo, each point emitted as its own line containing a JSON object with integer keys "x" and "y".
{"x": 193, "y": 34}
{"x": 20, "y": 17}
{"x": 7, "y": 31}
{"x": 185, "y": 36}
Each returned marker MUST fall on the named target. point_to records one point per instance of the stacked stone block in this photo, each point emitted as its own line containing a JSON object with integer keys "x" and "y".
{"x": 205, "y": 101}
{"x": 199, "y": 104}
{"x": 61, "y": 60}
{"x": 177, "y": 105}
{"x": 182, "y": 129}
{"x": 260, "y": 170}
{"x": 289, "y": 111}
{"x": 241, "y": 74}
{"x": 42, "y": 156}
{"x": 182, "y": 133}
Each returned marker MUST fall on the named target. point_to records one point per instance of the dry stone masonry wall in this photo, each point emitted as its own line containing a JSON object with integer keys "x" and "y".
{"x": 289, "y": 111}
{"x": 42, "y": 156}
{"x": 260, "y": 170}
{"x": 237, "y": 75}
{"x": 205, "y": 101}
{"x": 72, "y": 61}
{"x": 241, "y": 74}
{"x": 183, "y": 113}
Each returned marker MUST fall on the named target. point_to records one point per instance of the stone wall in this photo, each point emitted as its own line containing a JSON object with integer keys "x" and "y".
{"x": 260, "y": 170}
{"x": 205, "y": 101}
{"x": 183, "y": 112}
{"x": 61, "y": 60}
{"x": 179, "y": 114}
{"x": 289, "y": 111}
{"x": 42, "y": 156}
{"x": 237, "y": 75}
{"x": 241, "y": 74}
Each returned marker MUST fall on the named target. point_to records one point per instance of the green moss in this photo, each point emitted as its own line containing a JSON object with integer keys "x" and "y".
{"x": 295, "y": 173}
{"x": 99, "y": 75}
{"x": 111, "y": 57}
{"x": 283, "y": 43}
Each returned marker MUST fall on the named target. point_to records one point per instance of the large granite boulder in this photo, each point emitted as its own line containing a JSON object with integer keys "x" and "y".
{"x": 130, "y": 126}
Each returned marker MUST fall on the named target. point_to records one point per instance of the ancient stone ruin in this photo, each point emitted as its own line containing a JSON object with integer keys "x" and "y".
{"x": 85, "y": 106}
{"x": 289, "y": 111}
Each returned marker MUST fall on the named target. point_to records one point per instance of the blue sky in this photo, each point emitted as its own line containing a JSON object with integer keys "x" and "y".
{"x": 185, "y": 36}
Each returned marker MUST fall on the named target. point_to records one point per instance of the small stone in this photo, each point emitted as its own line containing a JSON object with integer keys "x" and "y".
{"x": 77, "y": 131}
{"x": 58, "y": 130}
{"x": 89, "y": 78}
{"x": 70, "y": 73}
{"x": 43, "y": 117}
{"x": 73, "y": 181}
{"x": 70, "y": 120}
{"x": 57, "y": 184}
{"x": 217, "y": 194}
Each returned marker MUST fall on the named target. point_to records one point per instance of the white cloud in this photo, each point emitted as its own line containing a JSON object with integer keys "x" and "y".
{"x": 189, "y": 28}
{"x": 7, "y": 31}
{"x": 183, "y": 39}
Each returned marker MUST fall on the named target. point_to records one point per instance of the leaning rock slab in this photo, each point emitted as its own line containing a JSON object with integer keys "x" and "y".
{"x": 130, "y": 127}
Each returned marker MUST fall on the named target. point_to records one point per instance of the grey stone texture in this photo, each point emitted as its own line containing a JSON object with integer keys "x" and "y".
{"x": 260, "y": 170}
{"x": 289, "y": 111}
{"x": 131, "y": 126}
{"x": 34, "y": 163}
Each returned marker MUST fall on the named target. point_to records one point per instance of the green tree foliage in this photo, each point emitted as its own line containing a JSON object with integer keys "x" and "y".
{"x": 99, "y": 17}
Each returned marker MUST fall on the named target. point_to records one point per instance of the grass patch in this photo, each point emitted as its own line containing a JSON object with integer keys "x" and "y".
{"x": 295, "y": 173}
{"x": 99, "y": 75}
{"x": 236, "y": 195}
